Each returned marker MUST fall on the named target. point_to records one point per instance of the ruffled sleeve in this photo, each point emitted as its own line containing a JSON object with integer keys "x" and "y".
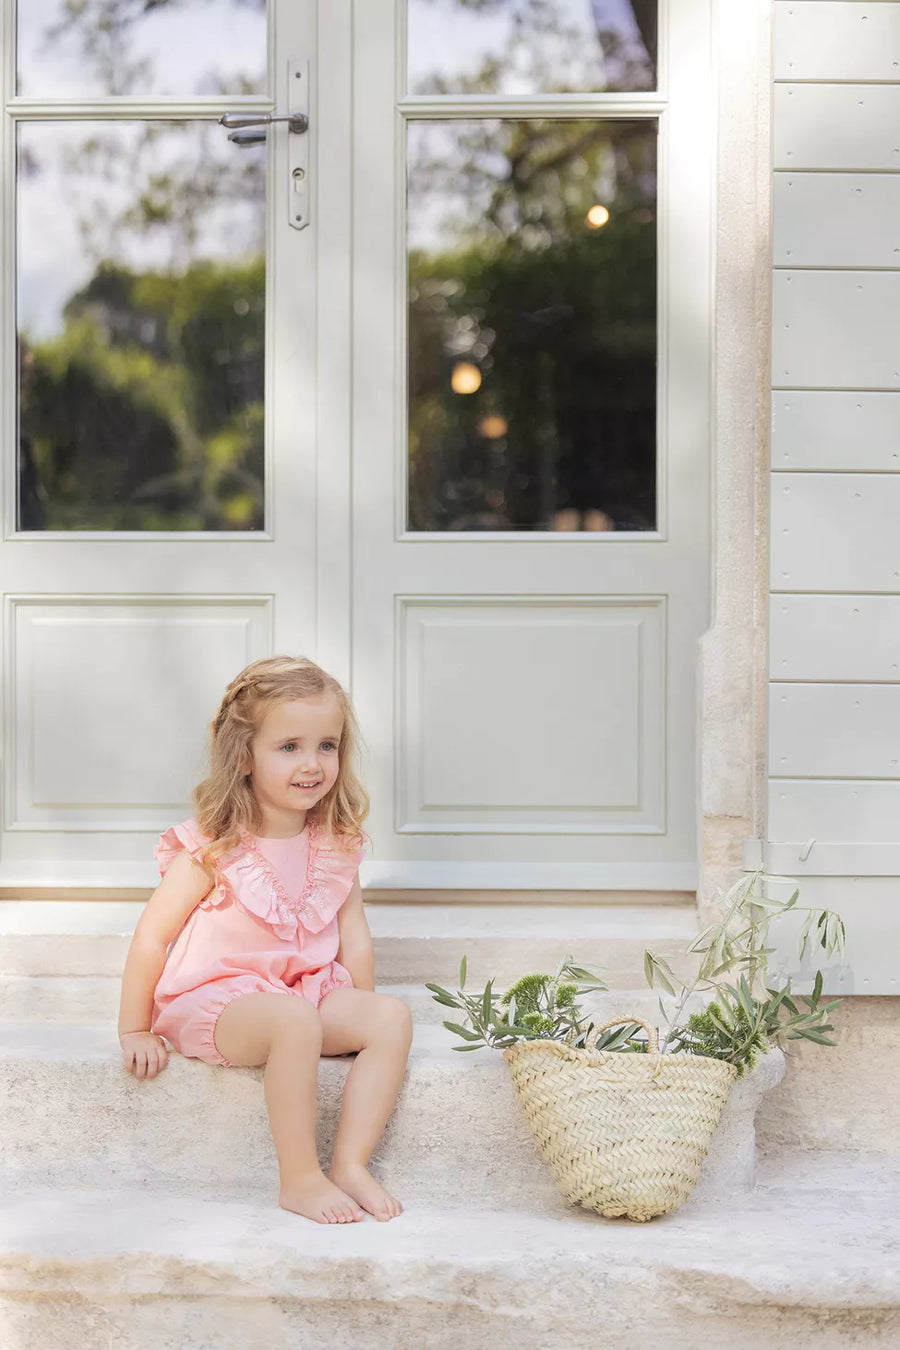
{"x": 189, "y": 837}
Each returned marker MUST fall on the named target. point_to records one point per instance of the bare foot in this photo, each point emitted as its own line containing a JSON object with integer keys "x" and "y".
{"x": 355, "y": 1179}
{"x": 315, "y": 1197}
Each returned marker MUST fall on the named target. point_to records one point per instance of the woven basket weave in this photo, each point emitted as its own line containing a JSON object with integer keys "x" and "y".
{"x": 622, "y": 1133}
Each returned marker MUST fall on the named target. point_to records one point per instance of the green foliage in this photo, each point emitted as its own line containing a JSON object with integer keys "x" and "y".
{"x": 551, "y": 1011}
{"x": 743, "y": 1020}
{"x": 146, "y": 412}
{"x": 714, "y": 1034}
{"x": 559, "y": 319}
{"x": 531, "y": 989}
{"x": 565, "y": 340}
{"x": 739, "y": 1028}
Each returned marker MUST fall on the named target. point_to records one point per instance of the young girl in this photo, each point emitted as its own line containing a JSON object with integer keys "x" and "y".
{"x": 271, "y": 958}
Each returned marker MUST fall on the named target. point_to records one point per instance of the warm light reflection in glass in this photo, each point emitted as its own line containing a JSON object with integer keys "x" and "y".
{"x": 493, "y": 426}
{"x": 597, "y": 217}
{"x": 466, "y": 378}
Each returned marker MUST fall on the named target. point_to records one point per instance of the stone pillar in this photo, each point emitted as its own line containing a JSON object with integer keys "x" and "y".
{"x": 732, "y": 664}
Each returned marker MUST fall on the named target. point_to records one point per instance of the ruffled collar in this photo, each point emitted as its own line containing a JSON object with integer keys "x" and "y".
{"x": 256, "y": 884}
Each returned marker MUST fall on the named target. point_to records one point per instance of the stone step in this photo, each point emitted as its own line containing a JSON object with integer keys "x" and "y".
{"x": 413, "y": 943}
{"x": 811, "y": 1266}
{"x": 95, "y": 998}
{"x": 70, "y": 1115}
{"x": 831, "y": 1099}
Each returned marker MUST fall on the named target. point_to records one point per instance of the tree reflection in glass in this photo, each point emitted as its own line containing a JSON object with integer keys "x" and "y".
{"x": 532, "y": 325}
{"x": 531, "y": 46}
{"x": 141, "y": 309}
{"x": 95, "y": 48}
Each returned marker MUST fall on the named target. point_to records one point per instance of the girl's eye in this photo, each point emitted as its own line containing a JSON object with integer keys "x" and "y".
{"x": 292, "y": 745}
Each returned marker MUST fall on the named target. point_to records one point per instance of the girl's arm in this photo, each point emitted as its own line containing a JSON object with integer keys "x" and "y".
{"x": 356, "y": 952}
{"x": 182, "y": 888}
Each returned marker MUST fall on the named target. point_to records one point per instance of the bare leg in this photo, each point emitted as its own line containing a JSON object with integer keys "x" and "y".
{"x": 284, "y": 1032}
{"x": 384, "y": 1025}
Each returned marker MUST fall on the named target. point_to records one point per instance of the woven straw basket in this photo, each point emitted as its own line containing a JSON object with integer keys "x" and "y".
{"x": 622, "y": 1133}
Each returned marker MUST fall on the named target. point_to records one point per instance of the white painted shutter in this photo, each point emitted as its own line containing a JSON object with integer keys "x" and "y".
{"x": 834, "y": 654}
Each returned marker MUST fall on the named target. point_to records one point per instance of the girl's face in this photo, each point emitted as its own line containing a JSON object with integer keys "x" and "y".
{"x": 295, "y": 745}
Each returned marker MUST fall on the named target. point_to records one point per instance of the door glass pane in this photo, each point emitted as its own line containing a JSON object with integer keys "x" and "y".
{"x": 141, "y": 317}
{"x": 532, "y": 325}
{"x": 530, "y": 46}
{"x": 91, "y": 48}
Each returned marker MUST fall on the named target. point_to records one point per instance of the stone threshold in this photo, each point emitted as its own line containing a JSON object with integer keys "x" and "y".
{"x": 107, "y": 918}
{"x": 375, "y": 895}
{"x": 413, "y": 943}
{"x": 807, "y": 1259}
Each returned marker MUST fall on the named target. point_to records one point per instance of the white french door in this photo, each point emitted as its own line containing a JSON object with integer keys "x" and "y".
{"x": 531, "y": 281}
{"x": 447, "y": 433}
{"x": 160, "y": 439}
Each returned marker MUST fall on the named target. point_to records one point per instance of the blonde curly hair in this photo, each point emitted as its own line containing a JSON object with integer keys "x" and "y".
{"x": 225, "y": 807}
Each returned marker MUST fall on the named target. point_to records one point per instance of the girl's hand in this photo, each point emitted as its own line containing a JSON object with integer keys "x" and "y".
{"x": 143, "y": 1054}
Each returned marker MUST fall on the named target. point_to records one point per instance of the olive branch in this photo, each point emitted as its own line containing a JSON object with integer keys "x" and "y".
{"x": 745, "y": 1017}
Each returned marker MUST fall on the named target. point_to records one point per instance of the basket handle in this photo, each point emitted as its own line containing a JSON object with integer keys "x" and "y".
{"x": 652, "y": 1037}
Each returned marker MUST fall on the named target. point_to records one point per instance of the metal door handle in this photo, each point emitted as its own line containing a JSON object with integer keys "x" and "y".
{"x": 297, "y": 122}
{"x": 248, "y": 137}
{"x": 251, "y": 128}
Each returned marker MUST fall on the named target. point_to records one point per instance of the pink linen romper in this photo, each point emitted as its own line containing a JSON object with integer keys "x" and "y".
{"x": 269, "y": 924}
